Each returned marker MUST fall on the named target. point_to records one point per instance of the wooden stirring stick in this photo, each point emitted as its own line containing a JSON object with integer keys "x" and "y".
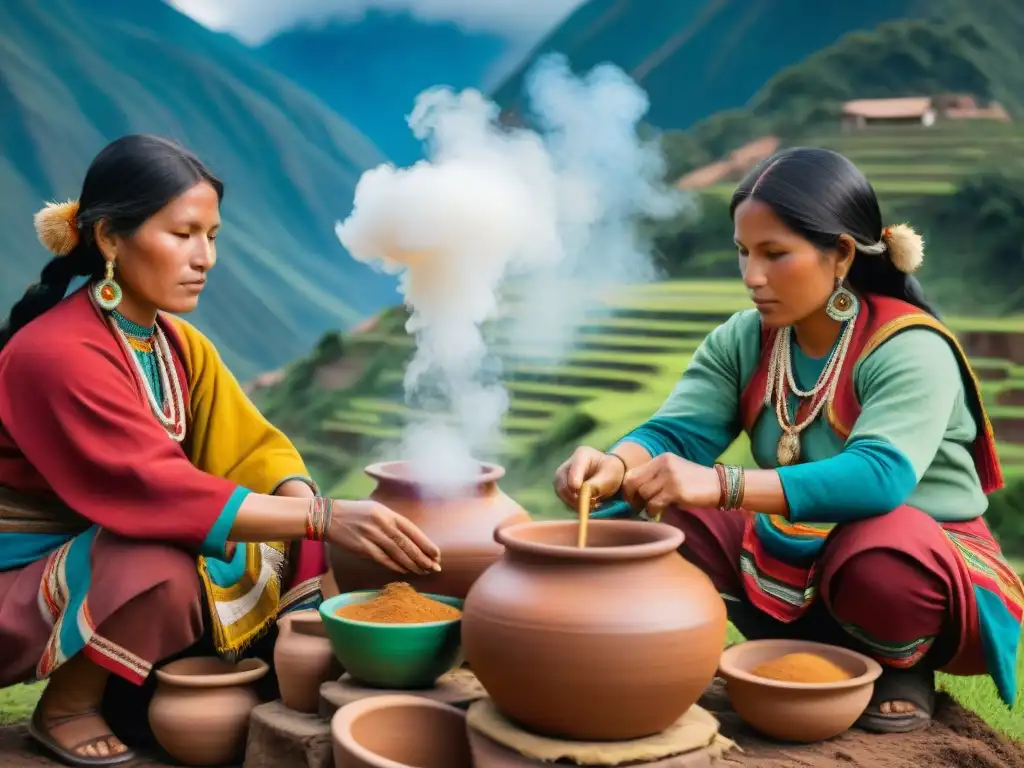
{"x": 584, "y": 514}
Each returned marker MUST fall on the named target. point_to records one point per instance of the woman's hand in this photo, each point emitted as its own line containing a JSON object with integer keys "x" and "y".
{"x": 670, "y": 481}
{"x": 604, "y": 474}
{"x": 371, "y": 529}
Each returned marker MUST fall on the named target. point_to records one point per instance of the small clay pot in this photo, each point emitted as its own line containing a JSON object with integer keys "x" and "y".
{"x": 303, "y": 659}
{"x": 200, "y": 710}
{"x": 613, "y": 641}
{"x": 462, "y": 527}
{"x": 400, "y": 731}
{"x": 797, "y": 712}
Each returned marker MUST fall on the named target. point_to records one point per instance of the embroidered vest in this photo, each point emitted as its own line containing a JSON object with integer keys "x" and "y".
{"x": 880, "y": 318}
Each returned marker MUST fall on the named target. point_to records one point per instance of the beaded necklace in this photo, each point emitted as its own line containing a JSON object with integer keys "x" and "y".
{"x": 155, "y": 369}
{"x": 781, "y": 379}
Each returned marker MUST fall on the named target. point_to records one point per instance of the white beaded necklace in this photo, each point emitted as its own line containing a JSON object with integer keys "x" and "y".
{"x": 171, "y": 412}
{"x": 781, "y": 379}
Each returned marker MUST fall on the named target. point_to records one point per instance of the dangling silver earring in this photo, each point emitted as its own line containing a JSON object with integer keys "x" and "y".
{"x": 107, "y": 292}
{"x": 842, "y": 304}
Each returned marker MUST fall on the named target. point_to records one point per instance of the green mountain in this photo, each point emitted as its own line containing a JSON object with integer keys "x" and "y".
{"x": 966, "y": 51}
{"x": 698, "y": 57}
{"x": 74, "y": 76}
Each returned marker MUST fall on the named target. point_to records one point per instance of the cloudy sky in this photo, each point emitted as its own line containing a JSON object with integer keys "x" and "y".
{"x": 256, "y": 20}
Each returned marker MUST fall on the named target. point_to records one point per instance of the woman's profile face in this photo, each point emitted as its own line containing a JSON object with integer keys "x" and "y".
{"x": 786, "y": 275}
{"x": 164, "y": 264}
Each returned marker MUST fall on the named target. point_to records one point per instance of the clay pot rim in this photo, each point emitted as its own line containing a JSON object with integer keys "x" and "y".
{"x": 389, "y": 471}
{"x": 247, "y": 671}
{"x": 728, "y": 669}
{"x": 661, "y": 540}
{"x": 328, "y": 607}
{"x": 341, "y": 723}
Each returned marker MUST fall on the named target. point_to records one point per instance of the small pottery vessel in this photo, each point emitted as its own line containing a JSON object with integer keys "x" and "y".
{"x": 303, "y": 659}
{"x": 400, "y": 731}
{"x": 613, "y": 641}
{"x": 462, "y": 527}
{"x": 200, "y": 710}
{"x": 798, "y": 712}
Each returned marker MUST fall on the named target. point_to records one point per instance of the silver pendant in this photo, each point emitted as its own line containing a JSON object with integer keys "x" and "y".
{"x": 787, "y": 450}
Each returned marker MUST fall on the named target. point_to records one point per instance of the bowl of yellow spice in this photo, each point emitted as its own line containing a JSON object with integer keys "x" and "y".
{"x": 395, "y": 637}
{"x": 798, "y": 690}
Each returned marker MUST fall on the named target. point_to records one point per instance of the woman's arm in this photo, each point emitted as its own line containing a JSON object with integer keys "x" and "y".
{"x": 698, "y": 421}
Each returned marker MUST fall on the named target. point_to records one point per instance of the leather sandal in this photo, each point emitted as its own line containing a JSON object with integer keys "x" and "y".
{"x": 914, "y": 686}
{"x": 39, "y": 729}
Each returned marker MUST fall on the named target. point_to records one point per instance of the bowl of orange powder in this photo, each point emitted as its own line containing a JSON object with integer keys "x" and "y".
{"x": 797, "y": 690}
{"x": 395, "y": 637}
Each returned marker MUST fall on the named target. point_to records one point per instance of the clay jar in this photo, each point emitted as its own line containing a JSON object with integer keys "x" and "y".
{"x": 613, "y": 641}
{"x": 200, "y": 710}
{"x": 462, "y": 527}
{"x": 303, "y": 659}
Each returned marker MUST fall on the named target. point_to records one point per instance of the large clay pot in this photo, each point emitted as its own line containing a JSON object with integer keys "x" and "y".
{"x": 303, "y": 659}
{"x": 400, "y": 731}
{"x": 200, "y": 710}
{"x": 462, "y": 527}
{"x": 614, "y": 641}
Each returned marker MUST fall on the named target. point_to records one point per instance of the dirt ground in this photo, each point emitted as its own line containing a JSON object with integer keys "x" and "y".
{"x": 956, "y": 739}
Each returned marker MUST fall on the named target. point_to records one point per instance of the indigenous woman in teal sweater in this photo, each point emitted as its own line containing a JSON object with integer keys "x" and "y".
{"x": 863, "y": 526}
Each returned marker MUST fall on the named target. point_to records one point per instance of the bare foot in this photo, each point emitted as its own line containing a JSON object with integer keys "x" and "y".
{"x": 897, "y": 707}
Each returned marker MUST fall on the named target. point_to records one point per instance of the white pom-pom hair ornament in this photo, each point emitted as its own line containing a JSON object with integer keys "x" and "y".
{"x": 906, "y": 247}
{"x": 57, "y": 227}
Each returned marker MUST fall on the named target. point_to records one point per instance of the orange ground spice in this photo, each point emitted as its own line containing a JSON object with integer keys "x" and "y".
{"x": 399, "y": 603}
{"x": 801, "y": 668}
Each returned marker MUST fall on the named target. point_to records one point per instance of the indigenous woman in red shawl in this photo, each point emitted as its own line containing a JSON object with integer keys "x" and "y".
{"x": 863, "y": 526}
{"x": 144, "y": 501}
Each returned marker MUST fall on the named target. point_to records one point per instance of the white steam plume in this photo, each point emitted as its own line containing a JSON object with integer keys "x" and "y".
{"x": 555, "y": 210}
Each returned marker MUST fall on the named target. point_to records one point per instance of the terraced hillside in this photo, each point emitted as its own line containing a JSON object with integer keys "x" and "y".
{"x": 914, "y": 162}
{"x": 629, "y": 354}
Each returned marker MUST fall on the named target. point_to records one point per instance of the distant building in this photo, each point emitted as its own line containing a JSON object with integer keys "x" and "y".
{"x": 918, "y": 110}
{"x": 734, "y": 167}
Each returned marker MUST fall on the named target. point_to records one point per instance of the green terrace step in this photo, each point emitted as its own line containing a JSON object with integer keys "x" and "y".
{"x": 362, "y": 430}
{"x": 600, "y": 380}
{"x": 541, "y": 391}
{"x": 1014, "y": 412}
{"x": 1012, "y": 324}
{"x": 601, "y": 376}
{"x": 510, "y": 445}
{"x": 625, "y": 344}
{"x": 400, "y": 415}
{"x": 385, "y": 406}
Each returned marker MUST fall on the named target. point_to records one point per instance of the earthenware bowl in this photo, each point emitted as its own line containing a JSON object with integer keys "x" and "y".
{"x": 400, "y": 731}
{"x": 395, "y": 656}
{"x": 797, "y": 712}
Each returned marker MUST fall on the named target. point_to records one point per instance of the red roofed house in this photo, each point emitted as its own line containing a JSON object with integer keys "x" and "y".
{"x": 918, "y": 110}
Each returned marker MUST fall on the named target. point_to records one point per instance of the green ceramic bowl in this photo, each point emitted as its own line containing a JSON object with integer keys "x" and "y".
{"x": 394, "y": 656}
